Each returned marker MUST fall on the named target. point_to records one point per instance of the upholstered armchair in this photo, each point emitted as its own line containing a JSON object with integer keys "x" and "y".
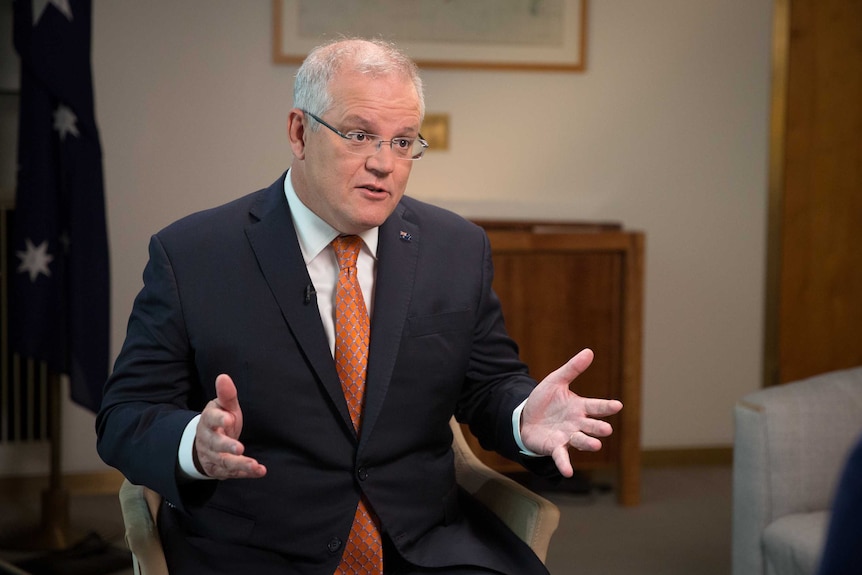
{"x": 790, "y": 446}
{"x": 532, "y": 517}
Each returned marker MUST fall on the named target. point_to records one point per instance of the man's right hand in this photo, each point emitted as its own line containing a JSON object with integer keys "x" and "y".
{"x": 218, "y": 452}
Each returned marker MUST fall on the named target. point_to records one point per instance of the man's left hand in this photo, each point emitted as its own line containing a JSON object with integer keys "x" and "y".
{"x": 555, "y": 418}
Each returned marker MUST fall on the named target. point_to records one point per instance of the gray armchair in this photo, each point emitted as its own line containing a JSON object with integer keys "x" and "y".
{"x": 790, "y": 445}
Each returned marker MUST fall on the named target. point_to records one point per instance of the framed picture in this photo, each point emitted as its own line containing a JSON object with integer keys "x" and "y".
{"x": 549, "y": 35}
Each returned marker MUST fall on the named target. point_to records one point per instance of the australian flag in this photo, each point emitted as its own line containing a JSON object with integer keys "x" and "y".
{"x": 59, "y": 291}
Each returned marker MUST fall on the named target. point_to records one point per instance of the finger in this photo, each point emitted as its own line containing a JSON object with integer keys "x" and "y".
{"x": 601, "y": 407}
{"x": 583, "y": 442}
{"x": 596, "y": 428}
{"x": 215, "y": 435}
{"x": 220, "y": 456}
{"x": 226, "y": 396}
{"x": 227, "y": 466}
{"x": 215, "y": 417}
{"x": 216, "y": 443}
{"x": 560, "y": 455}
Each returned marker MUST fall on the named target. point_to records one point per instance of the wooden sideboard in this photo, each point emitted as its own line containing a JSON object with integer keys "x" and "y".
{"x": 564, "y": 287}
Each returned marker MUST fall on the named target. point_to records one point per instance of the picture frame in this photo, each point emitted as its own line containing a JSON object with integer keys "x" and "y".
{"x": 538, "y": 35}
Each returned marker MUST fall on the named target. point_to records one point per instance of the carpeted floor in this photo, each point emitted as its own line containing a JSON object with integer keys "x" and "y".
{"x": 681, "y": 527}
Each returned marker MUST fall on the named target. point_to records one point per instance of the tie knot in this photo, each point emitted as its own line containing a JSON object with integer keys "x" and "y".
{"x": 346, "y": 250}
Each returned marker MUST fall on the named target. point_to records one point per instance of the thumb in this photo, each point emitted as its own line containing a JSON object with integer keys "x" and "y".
{"x": 573, "y": 368}
{"x": 226, "y": 397}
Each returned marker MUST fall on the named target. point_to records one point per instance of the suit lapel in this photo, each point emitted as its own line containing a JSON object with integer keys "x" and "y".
{"x": 397, "y": 256}
{"x": 276, "y": 247}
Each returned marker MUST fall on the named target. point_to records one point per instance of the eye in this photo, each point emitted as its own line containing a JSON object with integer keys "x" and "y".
{"x": 403, "y": 143}
{"x": 358, "y": 136}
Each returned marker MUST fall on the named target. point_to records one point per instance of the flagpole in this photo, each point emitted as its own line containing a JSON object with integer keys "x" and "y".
{"x": 52, "y": 533}
{"x": 53, "y": 546}
{"x": 54, "y": 530}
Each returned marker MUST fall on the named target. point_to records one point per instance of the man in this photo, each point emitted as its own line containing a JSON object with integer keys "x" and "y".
{"x": 236, "y": 364}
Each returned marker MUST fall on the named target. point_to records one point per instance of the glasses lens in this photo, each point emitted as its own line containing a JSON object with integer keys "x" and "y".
{"x": 369, "y": 144}
{"x": 361, "y": 143}
{"x": 412, "y": 150}
{"x": 417, "y": 149}
{"x": 407, "y": 148}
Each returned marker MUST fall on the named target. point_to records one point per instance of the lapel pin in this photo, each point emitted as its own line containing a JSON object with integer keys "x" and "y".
{"x": 405, "y": 236}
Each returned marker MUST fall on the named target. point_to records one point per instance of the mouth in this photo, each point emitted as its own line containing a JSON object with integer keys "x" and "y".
{"x": 374, "y": 190}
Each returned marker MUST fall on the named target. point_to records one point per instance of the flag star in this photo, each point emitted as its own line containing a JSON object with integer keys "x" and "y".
{"x": 39, "y": 7}
{"x": 64, "y": 122}
{"x": 35, "y": 260}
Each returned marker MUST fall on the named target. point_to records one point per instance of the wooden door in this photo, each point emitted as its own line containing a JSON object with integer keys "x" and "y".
{"x": 814, "y": 316}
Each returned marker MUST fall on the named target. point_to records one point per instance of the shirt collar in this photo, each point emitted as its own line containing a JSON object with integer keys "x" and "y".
{"x": 313, "y": 233}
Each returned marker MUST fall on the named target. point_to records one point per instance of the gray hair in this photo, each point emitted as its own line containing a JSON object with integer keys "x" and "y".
{"x": 373, "y": 57}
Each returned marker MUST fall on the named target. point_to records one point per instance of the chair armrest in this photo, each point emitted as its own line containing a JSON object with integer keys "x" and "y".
{"x": 529, "y": 515}
{"x": 751, "y": 512}
{"x": 140, "y": 508}
{"x": 790, "y": 442}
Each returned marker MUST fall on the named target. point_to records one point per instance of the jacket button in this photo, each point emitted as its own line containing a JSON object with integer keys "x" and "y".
{"x": 334, "y": 545}
{"x": 362, "y": 473}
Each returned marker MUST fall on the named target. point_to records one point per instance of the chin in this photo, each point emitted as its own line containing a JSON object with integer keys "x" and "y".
{"x": 375, "y": 217}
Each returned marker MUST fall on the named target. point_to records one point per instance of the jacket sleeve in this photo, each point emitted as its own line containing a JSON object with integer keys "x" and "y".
{"x": 497, "y": 381}
{"x": 154, "y": 390}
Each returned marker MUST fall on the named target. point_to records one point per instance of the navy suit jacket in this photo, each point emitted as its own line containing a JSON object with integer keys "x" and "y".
{"x": 842, "y": 551}
{"x": 224, "y": 292}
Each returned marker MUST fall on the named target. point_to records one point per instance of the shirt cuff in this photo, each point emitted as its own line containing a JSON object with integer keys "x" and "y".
{"x": 185, "y": 457}
{"x": 516, "y": 430}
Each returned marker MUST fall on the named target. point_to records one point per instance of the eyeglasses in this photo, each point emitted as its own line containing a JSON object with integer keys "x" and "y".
{"x": 363, "y": 144}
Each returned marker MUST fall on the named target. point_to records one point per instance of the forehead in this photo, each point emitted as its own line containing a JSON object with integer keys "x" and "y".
{"x": 389, "y": 96}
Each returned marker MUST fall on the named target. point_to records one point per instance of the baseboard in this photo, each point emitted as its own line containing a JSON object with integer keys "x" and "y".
{"x": 687, "y": 457}
{"x": 92, "y": 483}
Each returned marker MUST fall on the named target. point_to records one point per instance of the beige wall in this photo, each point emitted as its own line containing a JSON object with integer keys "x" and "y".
{"x": 666, "y": 132}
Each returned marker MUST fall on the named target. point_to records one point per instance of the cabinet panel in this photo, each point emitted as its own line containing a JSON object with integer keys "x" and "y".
{"x": 561, "y": 290}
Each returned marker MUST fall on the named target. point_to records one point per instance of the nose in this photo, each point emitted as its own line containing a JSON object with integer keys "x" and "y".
{"x": 383, "y": 160}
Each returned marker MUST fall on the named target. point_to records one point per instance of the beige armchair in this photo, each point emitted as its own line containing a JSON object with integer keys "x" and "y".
{"x": 790, "y": 445}
{"x": 532, "y": 517}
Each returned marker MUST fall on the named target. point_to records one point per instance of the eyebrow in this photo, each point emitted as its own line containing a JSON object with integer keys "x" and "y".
{"x": 363, "y": 124}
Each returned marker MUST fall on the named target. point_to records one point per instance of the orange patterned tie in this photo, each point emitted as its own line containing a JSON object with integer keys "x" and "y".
{"x": 363, "y": 553}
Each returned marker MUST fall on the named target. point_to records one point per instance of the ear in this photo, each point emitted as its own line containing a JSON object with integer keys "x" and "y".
{"x": 296, "y": 132}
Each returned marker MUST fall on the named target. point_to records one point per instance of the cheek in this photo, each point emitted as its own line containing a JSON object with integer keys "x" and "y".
{"x": 336, "y": 173}
{"x": 401, "y": 175}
